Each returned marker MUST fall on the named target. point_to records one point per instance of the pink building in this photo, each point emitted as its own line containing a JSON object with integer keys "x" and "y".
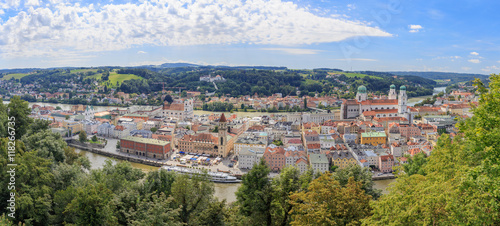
{"x": 275, "y": 157}
{"x": 409, "y": 131}
{"x": 385, "y": 163}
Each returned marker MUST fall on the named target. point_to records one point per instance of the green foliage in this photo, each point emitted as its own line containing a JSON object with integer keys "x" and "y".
{"x": 154, "y": 129}
{"x": 415, "y": 164}
{"x": 359, "y": 174}
{"x": 218, "y": 106}
{"x": 192, "y": 196}
{"x": 49, "y": 145}
{"x": 82, "y": 137}
{"x": 19, "y": 111}
{"x": 255, "y": 195}
{"x": 94, "y": 138}
{"x": 287, "y": 183}
{"x": 326, "y": 202}
{"x": 278, "y": 142}
{"x": 89, "y": 206}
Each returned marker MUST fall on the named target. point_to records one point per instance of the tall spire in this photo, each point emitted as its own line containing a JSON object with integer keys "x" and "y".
{"x": 222, "y": 118}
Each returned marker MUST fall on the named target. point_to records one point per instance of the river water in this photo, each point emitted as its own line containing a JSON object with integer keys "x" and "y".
{"x": 222, "y": 191}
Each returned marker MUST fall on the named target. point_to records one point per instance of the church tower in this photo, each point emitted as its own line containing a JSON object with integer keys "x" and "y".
{"x": 222, "y": 135}
{"x": 361, "y": 95}
{"x": 392, "y": 93}
{"x": 403, "y": 100}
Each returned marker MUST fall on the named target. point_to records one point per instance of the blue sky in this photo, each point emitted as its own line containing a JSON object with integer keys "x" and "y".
{"x": 381, "y": 35}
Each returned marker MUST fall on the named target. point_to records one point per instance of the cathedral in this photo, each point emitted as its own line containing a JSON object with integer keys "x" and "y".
{"x": 362, "y": 107}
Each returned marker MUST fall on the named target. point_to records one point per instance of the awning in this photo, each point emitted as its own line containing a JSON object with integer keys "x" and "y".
{"x": 181, "y": 152}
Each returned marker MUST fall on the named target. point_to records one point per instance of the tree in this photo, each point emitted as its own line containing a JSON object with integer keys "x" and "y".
{"x": 278, "y": 142}
{"x": 94, "y": 138}
{"x": 192, "y": 196}
{"x": 255, "y": 194}
{"x": 326, "y": 202}
{"x": 242, "y": 106}
{"x": 47, "y": 144}
{"x": 19, "y": 111}
{"x": 66, "y": 117}
{"x": 90, "y": 205}
{"x": 155, "y": 210}
{"x": 305, "y": 103}
{"x": 287, "y": 183}
{"x": 82, "y": 137}
{"x": 154, "y": 129}
{"x": 359, "y": 174}
{"x": 415, "y": 164}
{"x": 169, "y": 99}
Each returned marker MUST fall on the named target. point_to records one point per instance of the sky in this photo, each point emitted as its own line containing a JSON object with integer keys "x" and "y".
{"x": 379, "y": 35}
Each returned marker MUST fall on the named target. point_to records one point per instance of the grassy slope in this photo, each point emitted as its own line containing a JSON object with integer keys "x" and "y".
{"x": 114, "y": 77}
{"x": 16, "y": 76}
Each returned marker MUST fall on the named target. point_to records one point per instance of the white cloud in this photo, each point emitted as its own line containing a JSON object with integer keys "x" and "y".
{"x": 355, "y": 59}
{"x": 466, "y": 68}
{"x": 32, "y": 3}
{"x": 415, "y": 28}
{"x": 452, "y": 58}
{"x": 475, "y": 61}
{"x": 141, "y": 52}
{"x": 295, "y": 51}
{"x": 170, "y": 23}
{"x": 474, "y": 53}
{"x": 490, "y": 68}
{"x": 351, "y": 6}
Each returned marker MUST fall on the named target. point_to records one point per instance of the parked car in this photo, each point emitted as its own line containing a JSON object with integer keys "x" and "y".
{"x": 230, "y": 165}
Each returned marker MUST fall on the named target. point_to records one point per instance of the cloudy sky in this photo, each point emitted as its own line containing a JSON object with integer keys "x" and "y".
{"x": 383, "y": 35}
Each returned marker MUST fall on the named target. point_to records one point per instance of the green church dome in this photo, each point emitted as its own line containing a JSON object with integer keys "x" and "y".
{"x": 403, "y": 88}
{"x": 393, "y": 86}
{"x": 362, "y": 89}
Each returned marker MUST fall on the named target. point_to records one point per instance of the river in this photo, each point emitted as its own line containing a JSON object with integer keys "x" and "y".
{"x": 415, "y": 100}
{"x": 222, "y": 191}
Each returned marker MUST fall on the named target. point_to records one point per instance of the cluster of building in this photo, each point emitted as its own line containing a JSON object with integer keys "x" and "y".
{"x": 378, "y": 133}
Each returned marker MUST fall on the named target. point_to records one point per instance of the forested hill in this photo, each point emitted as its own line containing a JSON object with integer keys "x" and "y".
{"x": 433, "y": 75}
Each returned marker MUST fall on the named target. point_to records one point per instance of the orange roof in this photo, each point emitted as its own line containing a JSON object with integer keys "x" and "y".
{"x": 385, "y": 158}
{"x": 375, "y": 112}
{"x": 380, "y": 102}
{"x": 222, "y": 118}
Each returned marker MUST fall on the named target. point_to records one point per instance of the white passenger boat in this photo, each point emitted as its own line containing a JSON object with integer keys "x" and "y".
{"x": 217, "y": 177}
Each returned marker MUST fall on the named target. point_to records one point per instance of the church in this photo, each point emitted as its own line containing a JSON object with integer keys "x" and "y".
{"x": 364, "y": 108}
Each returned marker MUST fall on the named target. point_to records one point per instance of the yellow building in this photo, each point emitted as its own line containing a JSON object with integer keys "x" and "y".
{"x": 311, "y": 126}
{"x": 342, "y": 159}
{"x": 73, "y": 126}
{"x": 374, "y": 138}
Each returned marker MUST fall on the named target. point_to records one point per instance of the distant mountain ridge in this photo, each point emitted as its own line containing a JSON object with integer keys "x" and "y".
{"x": 434, "y": 75}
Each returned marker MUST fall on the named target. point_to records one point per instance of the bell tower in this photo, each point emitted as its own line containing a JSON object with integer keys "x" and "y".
{"x": 222, "y": 135}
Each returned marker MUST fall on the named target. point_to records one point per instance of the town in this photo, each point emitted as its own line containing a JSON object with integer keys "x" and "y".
{"x": 374, "y": 131}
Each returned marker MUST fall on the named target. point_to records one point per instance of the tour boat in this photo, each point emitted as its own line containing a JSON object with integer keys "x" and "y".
{"x": 217, "y": 177}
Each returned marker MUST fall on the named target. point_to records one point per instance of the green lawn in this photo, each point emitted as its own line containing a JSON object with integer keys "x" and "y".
{"x": 114, "y": 77}
{"x": 351, "y": 75}
{"x": 16, "y": 76}
{"x": 82, "y": 70}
